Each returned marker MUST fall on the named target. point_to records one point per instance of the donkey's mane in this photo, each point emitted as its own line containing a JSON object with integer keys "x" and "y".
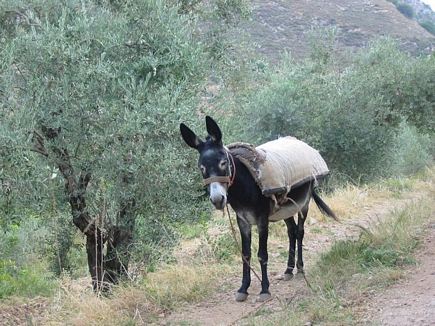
{"x": 248, "y": 155}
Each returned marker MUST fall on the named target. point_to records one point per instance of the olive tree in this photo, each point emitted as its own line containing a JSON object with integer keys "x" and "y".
{"x": 92, "y": 93}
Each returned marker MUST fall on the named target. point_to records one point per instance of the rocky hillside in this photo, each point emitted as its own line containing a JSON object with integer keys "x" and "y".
{"x": 422, "y": 11}
{"x": 279, "y": 25}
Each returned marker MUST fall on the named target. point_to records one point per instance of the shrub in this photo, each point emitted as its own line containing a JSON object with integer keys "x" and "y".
{"x": 328, "y": 111}
{"x": 18, "y": 275}
{"x": 406, "y": 10}
{"x": 428, "y": 25}
{"x": 350, "y": 115}
{"x": 22, "y": 281}
{"x": 410, "y": 152}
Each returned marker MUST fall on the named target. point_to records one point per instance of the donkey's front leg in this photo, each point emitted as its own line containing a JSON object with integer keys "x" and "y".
{"x": 245, "y": 232}
{"x": 263, "y": 234}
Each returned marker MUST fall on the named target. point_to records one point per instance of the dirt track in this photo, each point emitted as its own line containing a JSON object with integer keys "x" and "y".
{"x": 410, "y": 302}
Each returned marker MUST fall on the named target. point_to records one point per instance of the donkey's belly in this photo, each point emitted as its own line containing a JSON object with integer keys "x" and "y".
{"x": 285, "y": 211}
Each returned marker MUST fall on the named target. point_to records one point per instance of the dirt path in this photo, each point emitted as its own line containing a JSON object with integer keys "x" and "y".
{"x": 410, "y": 302}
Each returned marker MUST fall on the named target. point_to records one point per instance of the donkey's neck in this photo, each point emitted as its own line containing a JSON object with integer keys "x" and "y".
{"x": 245, "y": 194}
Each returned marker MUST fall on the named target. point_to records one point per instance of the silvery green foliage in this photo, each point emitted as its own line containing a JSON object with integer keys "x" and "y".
{"x": 109, "y": 82}
{"x": 411, "y": 151}
{"x": 348, "y": 107}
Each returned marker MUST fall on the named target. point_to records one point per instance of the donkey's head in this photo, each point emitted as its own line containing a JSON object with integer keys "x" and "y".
{"x": 214, "y": 160}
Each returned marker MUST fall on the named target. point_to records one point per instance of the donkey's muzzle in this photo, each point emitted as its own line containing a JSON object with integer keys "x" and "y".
{"x": 218, "y": 194}
{"x": 220, "y": 204}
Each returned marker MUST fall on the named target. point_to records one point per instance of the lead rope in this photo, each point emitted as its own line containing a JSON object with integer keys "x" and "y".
{"x": 238, "y": 244}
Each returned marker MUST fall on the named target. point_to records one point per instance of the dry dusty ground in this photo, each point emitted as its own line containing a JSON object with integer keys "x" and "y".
{"x": 409, "y": 302}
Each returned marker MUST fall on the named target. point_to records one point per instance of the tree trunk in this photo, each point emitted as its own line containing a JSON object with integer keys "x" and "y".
{"x": 94, "y": 250}
{"x": 119, "y": 240}
{"x": 103, "y": 270}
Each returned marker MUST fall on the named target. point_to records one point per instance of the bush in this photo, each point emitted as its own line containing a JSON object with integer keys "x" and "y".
{"x": 410, "y": 152}
{"x": 328, "y": 111}
{"x": 22, "y": 282}
{"x": 406, "y": 10}
{"x": 428, "y": 25}
{"x": 349, "y": 114}
{"x": 18, "y": 275}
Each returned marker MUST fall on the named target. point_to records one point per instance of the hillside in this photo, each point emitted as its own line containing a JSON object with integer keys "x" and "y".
{"x": 279, "y": 25}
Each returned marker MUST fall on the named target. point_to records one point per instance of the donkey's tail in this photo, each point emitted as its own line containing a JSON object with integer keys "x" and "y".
{"x": 323, "y": 207}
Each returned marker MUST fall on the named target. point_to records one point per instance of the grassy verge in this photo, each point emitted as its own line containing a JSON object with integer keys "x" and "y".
{"x": 354, "y": 270}
{"x": 349, "y": 272}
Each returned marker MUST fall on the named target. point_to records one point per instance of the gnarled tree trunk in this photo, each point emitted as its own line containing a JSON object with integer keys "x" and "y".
{"x": 104, "y": 269}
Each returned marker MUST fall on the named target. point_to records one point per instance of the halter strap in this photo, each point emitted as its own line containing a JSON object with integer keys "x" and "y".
{"x": 223, "y": 179}
{"x": 226, "y": 178}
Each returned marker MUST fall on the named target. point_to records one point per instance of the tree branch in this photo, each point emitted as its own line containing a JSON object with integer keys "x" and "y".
{"x": 38, "y": 141}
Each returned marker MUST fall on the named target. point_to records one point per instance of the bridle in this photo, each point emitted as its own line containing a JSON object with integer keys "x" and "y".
{"x": 224, "y": 178}
{"x": 230, "y": 180}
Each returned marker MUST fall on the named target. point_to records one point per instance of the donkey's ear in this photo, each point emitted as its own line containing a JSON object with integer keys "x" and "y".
{"x": 213, "y": 130}
{"x": 190, "y": 137}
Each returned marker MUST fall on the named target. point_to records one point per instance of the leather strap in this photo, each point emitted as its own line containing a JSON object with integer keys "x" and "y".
{"x": 223, "y": 179}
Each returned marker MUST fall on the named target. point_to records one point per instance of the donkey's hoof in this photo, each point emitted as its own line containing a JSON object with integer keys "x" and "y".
{"x": 264, "y": 297}
{"x": 240, "y": 297}
{"x": 288, "y": 277}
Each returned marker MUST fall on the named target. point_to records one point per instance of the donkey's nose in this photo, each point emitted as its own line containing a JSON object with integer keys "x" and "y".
{"x": 219, "y": 203}
{"x": 218, "y": 195}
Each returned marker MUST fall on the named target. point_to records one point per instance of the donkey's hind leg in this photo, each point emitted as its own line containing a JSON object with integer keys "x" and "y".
{"x": 295, "y": 234}
{"x": 300, "y": 237}
{"x": 291, "y": 232}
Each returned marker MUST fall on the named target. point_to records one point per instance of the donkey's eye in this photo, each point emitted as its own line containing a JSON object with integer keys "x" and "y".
{"x": 202, "y": 168}
{"x": 223, "y": 164}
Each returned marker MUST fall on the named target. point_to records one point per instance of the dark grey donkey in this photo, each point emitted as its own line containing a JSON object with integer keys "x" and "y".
{"x": 231, "y": 180}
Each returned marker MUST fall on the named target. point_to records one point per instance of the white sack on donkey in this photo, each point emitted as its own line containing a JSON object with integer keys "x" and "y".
{"x": 280, "y": 165}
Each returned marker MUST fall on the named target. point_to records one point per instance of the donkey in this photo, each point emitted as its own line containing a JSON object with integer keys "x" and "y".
{"x": 230, "y": 181}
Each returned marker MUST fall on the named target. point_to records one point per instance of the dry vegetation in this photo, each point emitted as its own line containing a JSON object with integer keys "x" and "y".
{"x": 202, "y": 276}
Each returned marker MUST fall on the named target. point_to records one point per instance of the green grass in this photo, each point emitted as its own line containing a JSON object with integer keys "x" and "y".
{"x": 368, "y": 263}
{"x": 27, "y": 282}
{"x": 351, "y": 267}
